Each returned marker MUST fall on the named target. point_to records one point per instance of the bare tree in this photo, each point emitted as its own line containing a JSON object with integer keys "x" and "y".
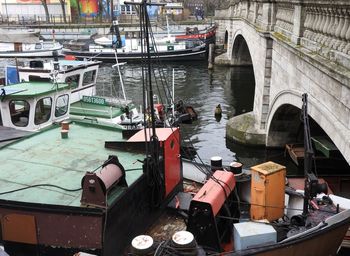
{"x": 100, "y": 10}
{"x": 44, "y": 3}
{"x": 63, "y": 6}
{"x": 76, "y": 5}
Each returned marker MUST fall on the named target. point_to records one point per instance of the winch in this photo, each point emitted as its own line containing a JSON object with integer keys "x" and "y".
{"x": 96, "y": 185}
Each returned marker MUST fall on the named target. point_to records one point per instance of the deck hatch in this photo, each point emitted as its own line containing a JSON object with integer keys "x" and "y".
{"x": 19, "y": 228}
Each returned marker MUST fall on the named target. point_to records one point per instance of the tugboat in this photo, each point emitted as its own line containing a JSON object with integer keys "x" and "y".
{"x": 309, "y": 222}
{"x": 79, "y": 186}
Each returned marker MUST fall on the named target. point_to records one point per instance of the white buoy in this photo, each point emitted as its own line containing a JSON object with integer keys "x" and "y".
{"x": 183, "y": 241}
{"x": 183, "y": 238}
{"x": 142, "y": 245}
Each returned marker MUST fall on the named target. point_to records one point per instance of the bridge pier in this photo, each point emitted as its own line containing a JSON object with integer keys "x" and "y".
{"x": 242, "y": 129}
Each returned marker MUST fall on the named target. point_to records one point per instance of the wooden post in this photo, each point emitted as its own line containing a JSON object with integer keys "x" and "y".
{"x": 211, "y": 56}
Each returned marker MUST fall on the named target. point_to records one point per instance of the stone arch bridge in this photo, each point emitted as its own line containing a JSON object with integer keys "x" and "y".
{"x": 295, "y": 47}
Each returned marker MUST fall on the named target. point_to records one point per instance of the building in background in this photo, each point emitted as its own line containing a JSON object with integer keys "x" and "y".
{"x": 29, "y": 11}
{"x": 172, "y": 9}
{"x": 126, "y": 12}
{"x": 194, "y": 5}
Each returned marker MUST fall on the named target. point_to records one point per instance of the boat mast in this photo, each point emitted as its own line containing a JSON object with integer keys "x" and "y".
{"x": 167, "y": 26}
{"x": 153, "y": 157}
{"x": 118, "y": 44}
{"x": 149, "y": 65}
{"x": 312, "y": 186}
{"x": 173, "y": 96}
{"x": 309, "y": 152}
{"x": 112, "y": 11}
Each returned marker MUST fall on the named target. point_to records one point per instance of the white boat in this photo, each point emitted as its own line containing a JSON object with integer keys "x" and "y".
{"x": 132, "y": 51}
{"x": 81, "y": 76}
{"x": 33, "y": 106}
{"x": 131, "y": 48}
{"x": 82, "y": 73}
{"x": 26, "y": 44}
{"x": 103, "y": 41}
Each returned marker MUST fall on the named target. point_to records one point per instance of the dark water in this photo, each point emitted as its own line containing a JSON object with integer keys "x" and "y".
{"x": 231, "y": 87}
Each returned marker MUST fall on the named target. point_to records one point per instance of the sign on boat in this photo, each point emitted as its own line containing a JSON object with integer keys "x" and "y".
{"x": 94, "y": 100}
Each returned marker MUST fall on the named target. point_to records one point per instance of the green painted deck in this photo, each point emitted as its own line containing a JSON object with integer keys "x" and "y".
{"x": 32, "y": 89}
{"x": 81, "y": 108}
{"x": 46, "y": 158}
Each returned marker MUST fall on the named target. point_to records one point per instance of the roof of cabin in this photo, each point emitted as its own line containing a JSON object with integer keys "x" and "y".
{"x": 46, "y": 158}
{"x": 32, "y": 89}
{"x": 81, "y": 108}
{"x": 78, "y": 62}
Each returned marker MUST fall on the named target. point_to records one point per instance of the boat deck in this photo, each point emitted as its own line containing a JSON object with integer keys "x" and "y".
{"x": 7, "y": 134}
{"x": 46, "y": 158}
{"x": 81, "y": 108}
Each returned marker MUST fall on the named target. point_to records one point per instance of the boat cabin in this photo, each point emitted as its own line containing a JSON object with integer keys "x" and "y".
{"x": 31, "y": 106}
{"x": 81, "y": 74}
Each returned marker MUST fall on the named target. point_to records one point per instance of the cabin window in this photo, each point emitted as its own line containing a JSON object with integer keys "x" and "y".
{"x": 19, "y": 111}
{"x": 38, "y": 79}
{"x": 61, "y": 105}
{"x": 43, "y": 110}
{"x": 89, "y": 77}
{"x": 38, "y": 46}
{"x": 73, "y": 80}
{"x": 36, "y": 64}
{"x": 48, "y": 45}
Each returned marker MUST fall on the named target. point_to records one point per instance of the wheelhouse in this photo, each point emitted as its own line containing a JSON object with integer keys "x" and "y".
{"x": 31, "y": 106}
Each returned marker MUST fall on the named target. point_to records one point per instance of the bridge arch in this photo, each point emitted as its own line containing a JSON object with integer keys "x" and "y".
{"x": 240, "y": 52}
{"x": 283, "y": 125}
{"x": 249, "y": 48}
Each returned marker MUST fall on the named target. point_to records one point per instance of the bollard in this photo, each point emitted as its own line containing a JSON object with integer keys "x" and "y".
{"x": 211, "y": 56}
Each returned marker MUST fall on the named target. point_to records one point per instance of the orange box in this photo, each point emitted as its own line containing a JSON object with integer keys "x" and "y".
{"x": 267, "y": 191}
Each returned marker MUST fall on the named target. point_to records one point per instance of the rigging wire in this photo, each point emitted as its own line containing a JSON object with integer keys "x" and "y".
{"x": 147, "y": 38}
{"x": 167, "y": 92}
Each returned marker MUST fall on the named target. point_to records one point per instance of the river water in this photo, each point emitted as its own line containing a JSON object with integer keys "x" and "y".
{"x": 231, "y": 87}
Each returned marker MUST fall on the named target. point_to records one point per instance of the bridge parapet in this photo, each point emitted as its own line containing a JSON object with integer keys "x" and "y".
{"x": 319, "y": 26}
